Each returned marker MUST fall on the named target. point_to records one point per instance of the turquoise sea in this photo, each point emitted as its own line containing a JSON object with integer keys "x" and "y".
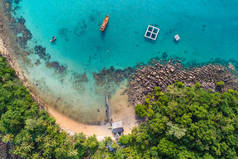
{"x": 208, "y": 30}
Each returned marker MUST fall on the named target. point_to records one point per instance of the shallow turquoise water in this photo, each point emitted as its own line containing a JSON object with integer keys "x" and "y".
{"x": 208, "y": 29}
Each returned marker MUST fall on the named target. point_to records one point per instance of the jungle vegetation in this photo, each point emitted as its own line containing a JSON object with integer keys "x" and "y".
{"x": 181, "y": 123}
{"x": 186, "y": 122}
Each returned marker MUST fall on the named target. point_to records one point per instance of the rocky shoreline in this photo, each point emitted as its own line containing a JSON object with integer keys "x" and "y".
{"x": 146, "y": 78}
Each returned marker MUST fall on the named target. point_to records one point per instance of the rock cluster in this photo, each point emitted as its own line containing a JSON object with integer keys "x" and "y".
{"x": 145, "y": 79}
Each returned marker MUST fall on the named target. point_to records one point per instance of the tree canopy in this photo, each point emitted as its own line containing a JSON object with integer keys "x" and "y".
{"x": 186, "y": 122}
{"x": 181, "y": 123}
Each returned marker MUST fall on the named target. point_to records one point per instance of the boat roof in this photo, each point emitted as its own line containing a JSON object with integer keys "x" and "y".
{"x": 117, "y": 124}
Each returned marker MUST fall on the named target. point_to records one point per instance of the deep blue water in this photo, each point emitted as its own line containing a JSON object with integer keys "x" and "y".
{"x": 208, "y": 29}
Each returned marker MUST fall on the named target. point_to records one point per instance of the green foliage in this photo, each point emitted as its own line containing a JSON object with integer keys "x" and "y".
{"x": 220, "y": 84}
{"x": 187, "y": 122}
{"x": 179, "y": 84}
{"x": 175, "y": 130}
{"x": 141, "y": 110}
{"x": 197, "y": 85}
{"x": 124, "y": 139}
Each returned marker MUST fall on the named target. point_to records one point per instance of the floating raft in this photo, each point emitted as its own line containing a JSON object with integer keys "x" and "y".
{"x": 151, "y": 32}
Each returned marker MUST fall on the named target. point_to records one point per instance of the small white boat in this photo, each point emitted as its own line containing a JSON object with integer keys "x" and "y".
{"x": 176, "y": 37}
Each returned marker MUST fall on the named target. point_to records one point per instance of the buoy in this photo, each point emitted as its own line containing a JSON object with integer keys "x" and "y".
{"x": 176, "y": 37}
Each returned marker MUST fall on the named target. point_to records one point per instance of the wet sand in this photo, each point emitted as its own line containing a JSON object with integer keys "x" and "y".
{"x": 120, "y": 109}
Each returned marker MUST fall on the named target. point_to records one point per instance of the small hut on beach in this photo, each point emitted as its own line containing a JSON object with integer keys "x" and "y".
{"x": 117, "y": 128}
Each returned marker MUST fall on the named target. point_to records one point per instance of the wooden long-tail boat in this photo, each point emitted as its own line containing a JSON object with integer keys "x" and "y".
{"x": 104, "y": 24}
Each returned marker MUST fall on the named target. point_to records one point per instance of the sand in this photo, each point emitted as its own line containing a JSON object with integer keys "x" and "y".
{"x": 121, "y": 110}
{"x": 72, "y": 127}
{"x": 2, "y": 48}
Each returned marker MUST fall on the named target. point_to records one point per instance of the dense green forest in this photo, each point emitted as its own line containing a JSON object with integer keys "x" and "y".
{"x": 184, "y": 122}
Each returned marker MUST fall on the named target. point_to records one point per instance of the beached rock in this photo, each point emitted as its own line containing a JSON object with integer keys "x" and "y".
{"x": 145, "y": 79}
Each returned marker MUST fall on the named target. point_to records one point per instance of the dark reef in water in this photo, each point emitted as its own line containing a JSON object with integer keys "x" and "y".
{"x": 23, "y": 35}
{"x": 80, "y": 77}
{"x": 57, "y": 67}
{"x": 18, "y": 28}
{"x": 41, "y": 52}
{"x": 79, "y": 80}
{"x": 17, "y": 25}
{"x": 80, "y": 28}
{"x": 112, "y": 75}
{"x": 64, "y": 33}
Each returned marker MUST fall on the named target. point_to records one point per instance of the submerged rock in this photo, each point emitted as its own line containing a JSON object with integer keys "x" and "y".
{"x": 59, "y": 68}
{"x": 112, "y": 75}
{"x": 41, "y": 52}
{"x": 78, "y": 78}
